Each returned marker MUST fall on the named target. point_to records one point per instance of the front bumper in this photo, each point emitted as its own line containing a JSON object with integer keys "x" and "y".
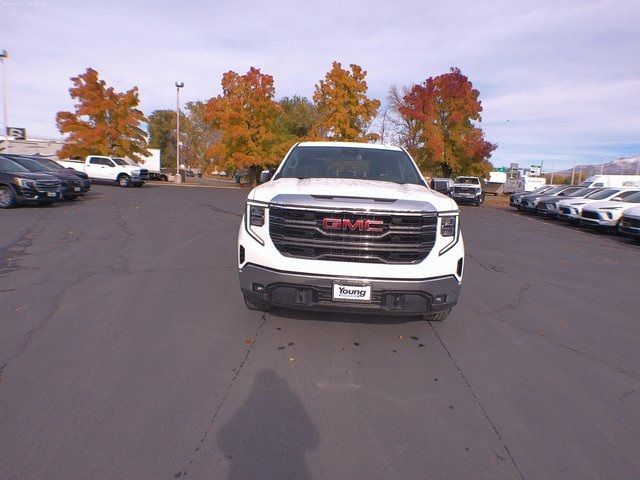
{"x": 314, "y": 292}
{"x": 547, "y": 209}
{"x": 466, "y": 197}
{"x": 630, "y": 226}
{"x": 33, "y": 195}
{"x": 601, "y": 223}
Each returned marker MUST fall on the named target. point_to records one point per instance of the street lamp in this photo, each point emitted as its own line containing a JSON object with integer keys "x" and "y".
{"x": 4, "y": 55}
{"x": 178, "y": 177}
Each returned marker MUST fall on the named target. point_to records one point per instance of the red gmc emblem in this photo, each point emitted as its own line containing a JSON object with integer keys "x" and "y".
{"x": 346, "y": 224}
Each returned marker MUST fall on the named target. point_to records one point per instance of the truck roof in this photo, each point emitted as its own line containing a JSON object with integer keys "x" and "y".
{"x": 349, "y": 144}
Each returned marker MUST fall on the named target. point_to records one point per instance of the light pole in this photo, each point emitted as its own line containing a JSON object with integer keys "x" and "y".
{"x": 4, "y": 55}
{"x": 178, "y": 177}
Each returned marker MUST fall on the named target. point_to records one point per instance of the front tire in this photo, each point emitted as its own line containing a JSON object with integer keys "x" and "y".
{"x": 437, "y": 316}
{"x": 253, "y": 303}
{"x": 7, "y": 197}
{"x": 124, "y": 180}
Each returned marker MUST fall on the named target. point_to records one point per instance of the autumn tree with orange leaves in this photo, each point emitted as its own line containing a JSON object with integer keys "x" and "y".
{"x": 443, "y": 113}
{"x": 104, "y": 122}
{"x": 246, "y": 116}
{"x": 344, "y": 112}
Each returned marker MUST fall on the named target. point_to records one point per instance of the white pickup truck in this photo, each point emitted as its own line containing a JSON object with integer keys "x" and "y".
{"x": 114, "y": 169}
{"x": 350, "y": 226}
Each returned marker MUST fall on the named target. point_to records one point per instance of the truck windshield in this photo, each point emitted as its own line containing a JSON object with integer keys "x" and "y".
{"x": 350, "y": 162}
{"x": 467, "y": 180}
{"x": 12, "y": 167}
{"x": 119, "y": 161}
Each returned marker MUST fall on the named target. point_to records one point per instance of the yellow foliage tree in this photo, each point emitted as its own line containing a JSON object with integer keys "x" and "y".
{"x": 246, "y": 115}
{"x": 344, "y": 112}
{"x": 104, "y": 122}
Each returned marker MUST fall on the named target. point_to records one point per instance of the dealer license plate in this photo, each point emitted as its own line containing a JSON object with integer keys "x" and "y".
{"x": 52, "y": 194}
{"x": 76, "y": 189}
{"x": 351, "y": 293}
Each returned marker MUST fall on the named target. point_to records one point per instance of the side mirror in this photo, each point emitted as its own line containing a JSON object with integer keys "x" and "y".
{"x": 265, "y": 176}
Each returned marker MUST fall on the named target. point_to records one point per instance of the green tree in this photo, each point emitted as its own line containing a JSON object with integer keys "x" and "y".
{"x": 104, "y": 122}
{"x": 344, "y": 110}
{"x": 162, "y": 135}
{"x": 297, "y": 117}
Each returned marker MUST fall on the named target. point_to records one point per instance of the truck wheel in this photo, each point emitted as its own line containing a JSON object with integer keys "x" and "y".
{"x": 7, "y": 197}
{"x": 436, "y": 317}
{"x": 164, "y": 178}
{"x": 256, "y": 304}
{"x": 124, "y": 180}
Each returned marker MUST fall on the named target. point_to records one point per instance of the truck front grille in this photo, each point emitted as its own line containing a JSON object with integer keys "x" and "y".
{"x": 403, "y": 239}
{"x": 464, "y": 190}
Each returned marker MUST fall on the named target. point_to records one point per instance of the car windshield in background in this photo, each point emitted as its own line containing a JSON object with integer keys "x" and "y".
{"x": 625, "y": 196}
{"x": 635, "y": 198}
{"x": 51, "y": 164}
{"x": 10, "y": 166}
{"x": 467, "y": 180}
{"x": 602, "y": 194}
{"x": 32, "y": 165}
{"x": 579, "y": 193}
{"x": 554, "y": 190}
{"x": 350, "y": 162}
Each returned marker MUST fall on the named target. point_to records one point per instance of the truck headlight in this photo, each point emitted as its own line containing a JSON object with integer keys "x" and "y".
{"x": 135, "y": 172}
{"x": 450, "y": 229}
{"x": 256, "y": 215}
{"x": 448, "y": 226}
{"x": 254, "y": 219}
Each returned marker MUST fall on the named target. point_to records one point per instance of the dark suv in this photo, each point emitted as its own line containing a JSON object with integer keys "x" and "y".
{"x": 71, "y": 184}
{"x": 55, "y": 166}
{"x": 19, "y": 185}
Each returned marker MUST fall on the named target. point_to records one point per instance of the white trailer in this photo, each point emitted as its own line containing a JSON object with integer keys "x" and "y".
{"x": 152, "y": 163}
{"x": 612, "y": 181}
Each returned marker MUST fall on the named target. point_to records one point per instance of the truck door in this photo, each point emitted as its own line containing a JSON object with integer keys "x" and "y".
{"x": 96, "y": 167}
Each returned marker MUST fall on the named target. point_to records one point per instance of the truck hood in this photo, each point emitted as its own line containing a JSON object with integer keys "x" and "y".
{"x": 344, "y": 189}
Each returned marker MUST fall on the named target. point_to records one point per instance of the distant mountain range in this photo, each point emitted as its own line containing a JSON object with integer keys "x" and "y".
{"x": 619, "y": 166}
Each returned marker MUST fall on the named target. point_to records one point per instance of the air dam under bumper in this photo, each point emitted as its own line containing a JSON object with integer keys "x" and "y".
{"x": 314, "y": 292}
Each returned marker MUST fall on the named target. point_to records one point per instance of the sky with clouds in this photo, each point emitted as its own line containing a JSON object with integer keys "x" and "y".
{"x": 559, "y": 80}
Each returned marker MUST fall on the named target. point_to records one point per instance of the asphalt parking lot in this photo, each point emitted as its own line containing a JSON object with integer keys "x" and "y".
{"x": 126, "y": 351}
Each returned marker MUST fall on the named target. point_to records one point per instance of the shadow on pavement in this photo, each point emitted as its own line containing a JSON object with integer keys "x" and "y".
{"x": 270, "y": 434}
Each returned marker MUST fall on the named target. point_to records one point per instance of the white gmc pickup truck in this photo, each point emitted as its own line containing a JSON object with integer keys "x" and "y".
{"x": 350, "y": 226}
{"x": 113, "y": 169}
